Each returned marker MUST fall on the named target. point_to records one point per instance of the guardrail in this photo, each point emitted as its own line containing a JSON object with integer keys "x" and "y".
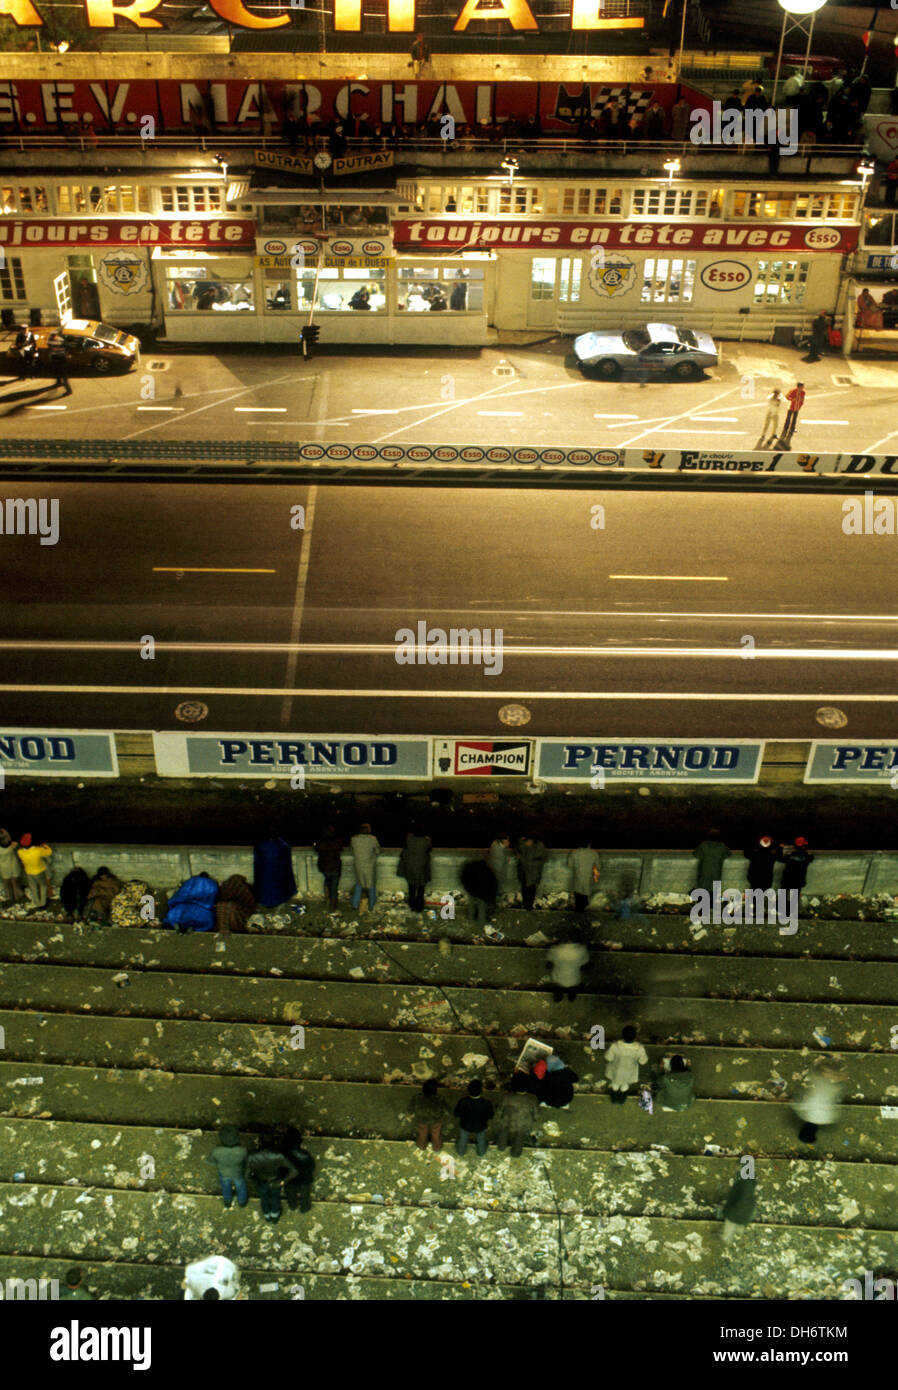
{"x": 241, "y": 461}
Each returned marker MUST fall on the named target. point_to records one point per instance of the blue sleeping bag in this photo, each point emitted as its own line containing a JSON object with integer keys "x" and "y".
{"x": 193, "y": 905}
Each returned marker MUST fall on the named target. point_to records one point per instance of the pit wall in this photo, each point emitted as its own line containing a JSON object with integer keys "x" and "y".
{"x": 641, "y": 873}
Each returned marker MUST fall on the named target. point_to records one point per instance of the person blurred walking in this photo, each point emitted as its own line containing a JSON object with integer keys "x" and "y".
{"x": 817, "y": 1106}
{"x": 274, "y": 882}
{"x": 584, "y": 866}
{"x": 740, "y": 1207}
{"x": 710, "y": 855}
{"x": 414, "y": 867}
{"x": 770, "y": 430}
{"x": 479, "y": 882}
{"x": 298, "y": 1190}
{"x": 268, "y": 1169}
{"x": 532, "y": 856}
{"x": 515, "y": 1115}
{"x": 567, "y": 960}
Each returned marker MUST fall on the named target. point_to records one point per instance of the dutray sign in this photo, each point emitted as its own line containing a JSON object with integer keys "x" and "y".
{"x": 840, "y": 760}
{"x": 647, "y": 760}
{"x": 57, "y": 753}
{"x": 277, "y": 755}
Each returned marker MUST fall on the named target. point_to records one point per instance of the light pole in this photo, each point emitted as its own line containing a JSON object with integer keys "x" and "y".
{"x": 673, "y": 167}
{"x": 803, "y": 14}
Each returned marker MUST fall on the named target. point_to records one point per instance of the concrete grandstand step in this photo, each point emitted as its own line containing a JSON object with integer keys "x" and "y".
{"x": 360, "y": 1110}
{"x": 633, "y": 972}
{"x": 220, "y": 1049}
{"x": 438, "y": 1008}
{"x": 651, "y": 1182}
{"x": 460, "y": 1247}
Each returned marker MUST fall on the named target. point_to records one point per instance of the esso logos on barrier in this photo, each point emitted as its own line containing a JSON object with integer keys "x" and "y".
{"x": 725, "y": 276}
{"x": 341, "y": 248}
{"x": 373, "y": 248}
{"x": 823, "y": 238}
{"x": 274, "y": 248}
{"x": 605, "y": 458}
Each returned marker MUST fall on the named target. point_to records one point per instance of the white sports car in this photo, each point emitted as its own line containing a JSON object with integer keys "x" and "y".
{"x": 655, "y": 348}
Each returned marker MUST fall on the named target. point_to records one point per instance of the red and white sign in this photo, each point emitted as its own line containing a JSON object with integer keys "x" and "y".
{"x": 455, "y": 757}
{"x": 223, "y": 233}
{"x": 457, "y": 236}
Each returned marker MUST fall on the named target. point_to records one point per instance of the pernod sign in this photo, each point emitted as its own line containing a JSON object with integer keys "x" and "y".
{"x": 401, "y": 18}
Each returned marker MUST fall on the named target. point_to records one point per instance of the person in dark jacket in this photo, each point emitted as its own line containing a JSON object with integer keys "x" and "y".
{"x": 104, "y": 886}
{"x": 740, "y": 1206}
{"x": 479, "y": 882}
{"x": 555, "y": 1088}
{"x": 473, "y": 1114}
{"x": 268, "y": 1169}
{"x": 674, "y": 1084}
{"x": 73, "y": 892}
{"x": 515, "y": 1115}
{"x": 430, "y": 1113}
{"x": 458, "y": 299}
{"x": 532, "y": 856}
{"x": 414, "y": 867}
{"x": 797, "y": 863}
{"x": 761, "y": 860}
{"x": 58, "y": 359}
{"x": 192, "y": 907}
{"x": 235, "y": 905}
{"x": 229, "y": 1157}
{"x": 330, "y": 864}
{"x": 298, "y": 1190}
{"x": 273, "y": 879}
{"x": 710, "y": 855}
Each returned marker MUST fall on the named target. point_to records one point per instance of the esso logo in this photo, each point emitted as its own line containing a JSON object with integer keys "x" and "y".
{"x": 341, "y": 248}
{"x": 822, "y": 238}
{"x": 373, "y": 248}
{"x": 607, "y": 458}
{"x": 307, "y": 247}
{"x": 274, "y": 248}
{"x": 725, "y": 276}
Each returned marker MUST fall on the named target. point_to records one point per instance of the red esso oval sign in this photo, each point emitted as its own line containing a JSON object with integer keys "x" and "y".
{"x": 726, "y": 275}
{"x": 275, "y": 248}
{"x": 822, "y": 238}
{"x": 373, "y": 248}
{"x": 341, "y": 248}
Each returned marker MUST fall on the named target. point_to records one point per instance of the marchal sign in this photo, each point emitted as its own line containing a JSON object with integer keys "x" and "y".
{"x": 401, "y": 17}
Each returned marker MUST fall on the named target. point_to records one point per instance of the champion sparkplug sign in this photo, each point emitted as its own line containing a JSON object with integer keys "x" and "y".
{"x": 481, "y": 758}
{"x": 401, "y": 17}
{"x": 644, "y": 235}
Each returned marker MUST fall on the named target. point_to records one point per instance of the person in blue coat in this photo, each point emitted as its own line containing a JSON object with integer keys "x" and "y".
{"x": 192, "y": 907}
{"x": 274, "y": 882}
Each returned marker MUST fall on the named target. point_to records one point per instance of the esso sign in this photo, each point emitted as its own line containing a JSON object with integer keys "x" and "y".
{"x": 342, "y": 248}
{"x": 822, "y": 238}
{"x": 726, "y": 275}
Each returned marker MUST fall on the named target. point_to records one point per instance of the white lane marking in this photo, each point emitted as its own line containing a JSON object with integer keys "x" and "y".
{"x": 504, "y": 413}
{"x": 174, "y": 409}
{"x": 686, "y": 578}
{"x": 369, "y": 411}
{"x": 682, "y": 415}
{"x": 46, "y": 407}
{"x": 516, "y": 693}
{"x": 868, "y": 449}
{"x": 740, "y": 433}
{"x": 619, "y": 417}
{"x": 355, "y": 649}
{"x": 299, "y": 597}
{"x": 212, "y": 405}
{"x": 717, "y": 419}
{"x": 805, "y": 421}
{"x": 452, "y": 405}
{"x": 260, "y": 410}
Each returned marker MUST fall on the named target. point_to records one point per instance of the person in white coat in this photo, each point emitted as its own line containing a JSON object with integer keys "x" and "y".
{"x": 211, "y": 1279}
{"x": 622, "y": 1062}
{"x": 365, "y": 850}
{"x": 584, "y": 866}
{"x": 818, "y": 1105}
{"x": 567, "y": 960}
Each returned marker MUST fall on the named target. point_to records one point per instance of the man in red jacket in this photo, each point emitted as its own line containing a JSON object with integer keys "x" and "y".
{"x": 795, "y": 397}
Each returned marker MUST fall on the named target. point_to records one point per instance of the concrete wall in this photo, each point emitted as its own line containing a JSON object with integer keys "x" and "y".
{"x": 647, "y": 871}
